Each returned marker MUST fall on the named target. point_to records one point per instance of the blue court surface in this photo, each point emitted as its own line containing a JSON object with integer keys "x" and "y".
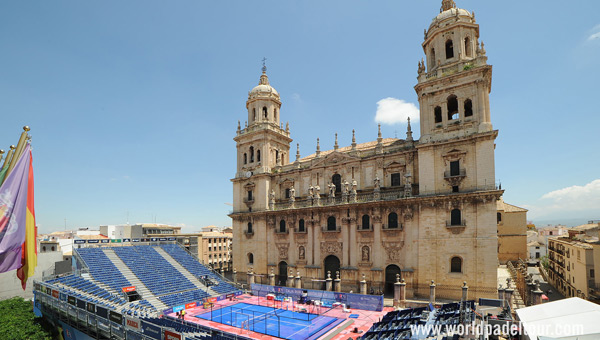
{"x": 275, "y": 322}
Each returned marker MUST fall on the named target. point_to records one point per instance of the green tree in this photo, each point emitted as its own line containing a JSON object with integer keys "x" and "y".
{"x": 17, "y": 321}
{"x": 544, "y": 262}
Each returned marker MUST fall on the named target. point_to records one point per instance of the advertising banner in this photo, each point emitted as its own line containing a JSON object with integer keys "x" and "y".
{"x": 162, "y": 238}
{"x": 91, "y": 307}
{"x": 115, "y": 317}
{"x": 172, "y": 238}
{"x": 190, "y": 305}
{"x": 172, "y": 335}
{"x": 102, "y": 312}
{"x": 55, "y": 293}
{"x": 105, "y": 240}
{"x": 133, "y": 323}
{"x": 126, "y": 240}
{"x": 151, "y": 330}
{"x": 79, "y": 241}
{"x": 178, "y": 308}
{"x": 135, "y": 240}
{"x": 131, "y": 335}
{"x": 93, "y": 241}
{"x": 72, "y": 300}
{"x": 128, "y": 289}
{"x": 153, "y": 239}
{"x": 359, "y": 301}
{"x": 80, "y": 304}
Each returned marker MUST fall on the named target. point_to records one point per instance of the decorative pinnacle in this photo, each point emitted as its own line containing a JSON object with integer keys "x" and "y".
{"x": 318, "y": 154}
{"x": 409, "y": 136}
{"x": 12, "y": 147}
{"x": 297, "y": 151}
{"x": 378, "y": 130}
{"x": 353, "y": 140}
{"x": 335, "y": 146}
{"x": 26, "y": 128}
{"x": 264, "y": 68}
{"x": 239, "y": 127}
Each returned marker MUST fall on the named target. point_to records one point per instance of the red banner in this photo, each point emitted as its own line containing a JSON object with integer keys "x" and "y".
{"x": 190, "y": 305}
{"x": 55, "y": 293}
{"x": 128, "y": 289}
{"x": 212, "y": 300}
{"x": 172, "y": 336}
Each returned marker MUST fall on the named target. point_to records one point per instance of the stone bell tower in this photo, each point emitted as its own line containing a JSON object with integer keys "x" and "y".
{"x": 454, "y": 79}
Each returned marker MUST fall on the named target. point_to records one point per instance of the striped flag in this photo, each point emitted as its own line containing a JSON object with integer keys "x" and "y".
{"x": 14, "y": 217}
{"x": 29, "y": 248}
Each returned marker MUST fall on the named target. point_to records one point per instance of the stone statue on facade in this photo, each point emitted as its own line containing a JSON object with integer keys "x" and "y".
{"x": 377, "y": 185}
{"x": 346, "y": 187}
{"x": 353, "y": 192}
{"x": 407, "y": 185}
{"x": 301, "y": 253}
{"x": 317, "y": 195}
{"x": 365, "y": 254}
{"x": 331, "y": 190}
{"x": 272, "y": 199}
{"x": 292, "y": 194}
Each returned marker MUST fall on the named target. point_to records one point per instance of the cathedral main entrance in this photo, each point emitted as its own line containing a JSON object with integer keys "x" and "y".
{"x": 331, "y": 264}
{"x": 283, "y": 274}
{"x": 390, "y": 278}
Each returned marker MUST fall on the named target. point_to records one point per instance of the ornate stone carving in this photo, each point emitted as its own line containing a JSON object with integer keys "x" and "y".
{"x": 271, "y": 221}
{"x": 282, "y": 248}
{"x": 301, "y": 253}
{"x": 328, "y": 247}
{"x": 392, "y": 249}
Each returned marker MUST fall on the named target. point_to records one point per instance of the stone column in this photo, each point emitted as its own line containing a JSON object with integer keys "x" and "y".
{"x": 537, "y": 295}
{"x": 397, "y": 291}
{"x": 272, "y": 278}
{"x": 328, "y": 282}
{"x": 465, "y": 292}
{"x": 250, "y": 277}
{"x": 298, "y": 280}
{"x": 363, "y": 285}
{"x": 290, "y": 279}
{"x": 234, "y": 275}
{"x": 402, "y": 293}
{"x": 508, "y": 293}
{"x": 530, "y": 289}
{"x": 432, "y": 292}
{"x": 337, "y": 283}
{"x": 501, "y": 294}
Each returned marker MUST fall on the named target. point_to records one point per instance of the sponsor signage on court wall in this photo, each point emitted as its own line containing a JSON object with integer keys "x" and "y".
{"x": 126, "y": 240}
{"x": 162, "y": 238}
{"x": 135, "y": 240}
{"x": 172, "y": 238}
{"x": 190, "y": 305}
{"x": 93, "y": 241}
{"x": 115, "y": 240}
{"x": 79, "y": 241}
{"x": 105, "y": 241}
{"x": 178, "y": 308}
{"x": 91, "y": 307}
{"x": 172, "y": 335}
{"x": 55, "y": 293}
{"x": 72, "y": 300}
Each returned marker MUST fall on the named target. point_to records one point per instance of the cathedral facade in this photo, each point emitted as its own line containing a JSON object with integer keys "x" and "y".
{"x": 424, "y": 209}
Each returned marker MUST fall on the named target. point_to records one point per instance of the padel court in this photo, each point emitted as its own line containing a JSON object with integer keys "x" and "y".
{"x": 281, "y": 323}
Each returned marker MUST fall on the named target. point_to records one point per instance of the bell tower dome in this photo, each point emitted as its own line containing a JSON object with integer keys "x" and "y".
{"x": 263, "y": 102}
{"x": 454, "y": 80}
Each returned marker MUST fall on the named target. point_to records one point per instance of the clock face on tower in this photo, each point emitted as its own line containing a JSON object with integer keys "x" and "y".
{"x": 248, "y": 174}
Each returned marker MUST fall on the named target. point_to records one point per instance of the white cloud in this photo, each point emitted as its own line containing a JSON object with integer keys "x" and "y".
{"x": 594, "y": 36}
{"x": 595, "y": 33}
{"x": 392, "y": 111}
{"x": 573, "y": 201}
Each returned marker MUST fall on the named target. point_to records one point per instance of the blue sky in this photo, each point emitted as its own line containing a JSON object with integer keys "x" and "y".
{"x": 133, "y": 104}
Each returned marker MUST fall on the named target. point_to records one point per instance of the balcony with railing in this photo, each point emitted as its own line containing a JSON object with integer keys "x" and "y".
{"x": 331, "y": 229}
{"x": 460, "y": 173}
{"x": 463, "y": 223}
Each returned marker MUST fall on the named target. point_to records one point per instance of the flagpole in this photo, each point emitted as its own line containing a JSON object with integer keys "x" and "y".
{"x": 8, "y": 157}
{"x": 19, "y": 150}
